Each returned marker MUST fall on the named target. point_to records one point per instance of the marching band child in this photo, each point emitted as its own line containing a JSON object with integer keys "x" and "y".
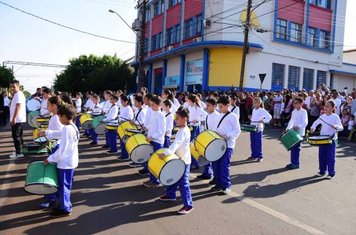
{"x": 155, "y": 135}
{"x": 331, "y": 123}
{"x": 298, "y": 122}
{"x": 126, "y": 114}
{"x": 258, "y": 118}
{"x": 44, "y": 103}
{"x": 168, "y": 95}
{"x": 228, "y": 128}
{"x": 66, "y": 158}
{"x": 78, "y": 105}
{"x": 166, "y": 107}
{"x": 107, "y": 104}
{"x": 111, "y": 135}
{"x": 181, "y": 148}
{"x": 211, "y": 123}
{"x": 97, "y": 109}
{"x": 233, "y": 106}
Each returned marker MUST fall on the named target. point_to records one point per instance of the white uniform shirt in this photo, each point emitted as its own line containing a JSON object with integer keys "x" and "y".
{"x": 66, "y": 156}
{"x": 181, "y": 145}
{"x": 148, "y": 117}
{"x": 258, "y": 115}
{"x": 111, "y": 113}
{"x": 235, "y": 110}
{"x": 337, "y": 102}
{"x": 97, "y": 108}
{"x": 78, "y": 105}
{"x": 196, "y": 114}
{"x": 19, "y": 98}
{"x": 229, "y": 127}
{"x": 107, "y": 105}
{"x": 140, "y": 116}
{"x": 89, "y": 104}
{"x": 299, "y": 118}
{"x": 212, "y": 120}
{"x": 169, "y": 123}
{"x": 331, "y": 119}
{"x": 44, "y": 107}
{"x": 126, "y": 114}
{"x": 55, "y": 128}
{"x": 157, "y": 128}
{"x": 176, "y": 105}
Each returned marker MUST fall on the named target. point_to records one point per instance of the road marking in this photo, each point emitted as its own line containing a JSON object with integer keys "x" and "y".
{"x": 6, "y": 184}
{"x": 272, "y": 212}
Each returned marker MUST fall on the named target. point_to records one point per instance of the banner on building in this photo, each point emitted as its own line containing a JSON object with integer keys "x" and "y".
{"x": 171, "y": 81}
{"x": 194, "y": 72}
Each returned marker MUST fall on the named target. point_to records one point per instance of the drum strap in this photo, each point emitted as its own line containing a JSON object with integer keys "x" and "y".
{"x": 206, "y": 122}
{"x": 76, "y": 130}
{"x": 223, "y": 118}
{"x": 138, "y": 113}
{"x": 167, "y": 114}
{"x": 232, "y": 110}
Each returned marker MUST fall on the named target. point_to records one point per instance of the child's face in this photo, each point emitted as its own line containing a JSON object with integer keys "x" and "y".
{"x": 113, "y": 101}
{"x": 223, "y": 108}
{"x": 180, "y": 121}
{"x": 95, "y": 101}
{"x": 297, "y": 105}
{"x": 328, "y": 109}
{"x": 190, "y": 103}
{"x": 64, "y": 120}
{"x": 154, "y": 106}
{"x": 137, "y": 104}
{"x": 51, "y": 107}
{"x": 210, "y": 108}
{"x": 256, "y": 104}
{"x": 146, "y": 101}
{"x": 165, "y": 108}
{"x": 124, "y": 103}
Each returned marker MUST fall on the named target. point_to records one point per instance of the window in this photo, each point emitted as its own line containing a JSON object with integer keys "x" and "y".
{"x": 148, "y": 14}
{"x": 277, "y": 76}
{"x": 308, "y": 79}
{"x": 324, "y": 39}
{"x": 173, "y": 35}
{"x": 193, "y": 26}
{"x": 281, "y": 31}
{"x": 157, "y": 42}
{"x": 162, "y": 6}
{"x": 172, "y": 3}
{"x": 293, "y": 77}
{"x": 321, "y": 3}
{"x": 312, "y": 41}
{"x": 295, "y": 33}
{"x": 158, "y": 8}
{"x": 320, "y": 78}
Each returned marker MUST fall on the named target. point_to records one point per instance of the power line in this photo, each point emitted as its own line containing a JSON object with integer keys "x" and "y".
{"x": 65, "y": 26}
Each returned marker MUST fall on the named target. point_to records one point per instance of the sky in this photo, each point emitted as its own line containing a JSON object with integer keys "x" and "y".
{"x": 25, "y": 38}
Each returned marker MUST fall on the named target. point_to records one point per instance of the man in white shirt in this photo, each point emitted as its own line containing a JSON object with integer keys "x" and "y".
{"x": 337, "y": 101}
{"x": 17, "y": 117}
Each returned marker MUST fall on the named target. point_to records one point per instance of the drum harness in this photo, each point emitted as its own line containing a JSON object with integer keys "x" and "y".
{"x": 223, "y": 119}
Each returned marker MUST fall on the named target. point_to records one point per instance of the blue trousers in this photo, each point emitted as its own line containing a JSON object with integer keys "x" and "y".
{"x": 51, "y": 198}
{"x": 65, "y": 180}
{"x": 111, "y": 140}
{"x": 86, "y": 132}
{"x": 256, "y": 144}
{"x": 167, "y": 141}
{"x": 184, "y": 189}
{"x": 294, "y": 154}
{"x": 327, "y": 158}
{"x": 94, "y": 136}
{"x": 77, "y": 122}
{"x": 222, "y": 168}
{"x": 209, "y": 170}
{"x": 156, "y": 146}
{"x": 124, "y": 153}
{"x": 193, "y": 134}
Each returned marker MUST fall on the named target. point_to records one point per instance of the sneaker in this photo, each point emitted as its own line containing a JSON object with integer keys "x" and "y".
{"x": 59, "y": 213}
{"x": 111, "y": 152}
{"x": 259, "y": 160}
{"x": 321, "y": 174}
{"x": 185, "y": 210}
{"x": 251, "y": 158}
{"x": 226, "y": 191}
{"x": 213, "y": 181}
{"x": 167, "y": 199}
{"x": 143, "y": 172}
{"x": 16, "y": 155}
{"x": 203, "y": 177}
{"x": 123, "y": 159}
{"x": 105, "y": 146}
{"x": 93, "y": 143}
{"x": 330, "y": 177}
{"x": 292, "y": 166}
{"x": 46, "y": 205}
{"x": 149, "y": 184}
{"x": 216, "y": 188}
{"x": 194, "y": 167}
{"x": 134, "y": 165}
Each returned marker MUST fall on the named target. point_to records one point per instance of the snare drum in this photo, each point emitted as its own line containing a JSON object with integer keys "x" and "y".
{"x": 86, "y": 121}
{"x": 168, "y": 170}
{"x": 138, "y": 148}
{"x": 112, "y": 126}
{"x": 41, "y": 179}
{"x": 194, "y": 152}
{"x": 210, "y": 145}
{"x": 290, "y": 139}
{"x": 38, "y": 139}
{"x": 249, "y": 128}
{"x": 32, "y": 117}
{"x": 319, "y": 140}
{"x": 33, "y": 105}
{"x": 99, "y": 125}
{"x": 122, "y": 129}
{"x": 35, "y": 148}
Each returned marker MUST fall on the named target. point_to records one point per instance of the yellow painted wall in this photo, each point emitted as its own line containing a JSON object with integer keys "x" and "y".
{"x": 225, "y": 66}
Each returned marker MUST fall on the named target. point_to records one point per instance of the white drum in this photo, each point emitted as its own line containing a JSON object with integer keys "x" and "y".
{"x": 33, "y": 105}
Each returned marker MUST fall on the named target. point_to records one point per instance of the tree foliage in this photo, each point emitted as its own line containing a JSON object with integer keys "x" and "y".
{"x": 96, "y": 74}
{"x": 6, "y": 75}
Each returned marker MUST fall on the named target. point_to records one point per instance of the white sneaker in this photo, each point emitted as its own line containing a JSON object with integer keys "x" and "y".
{"x": 226, "y": 191}
{"x": 15, "y": 156}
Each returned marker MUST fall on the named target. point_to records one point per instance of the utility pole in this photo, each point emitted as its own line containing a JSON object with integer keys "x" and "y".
{"x": 246, "y": 48}
{"x": 141, "y": 76}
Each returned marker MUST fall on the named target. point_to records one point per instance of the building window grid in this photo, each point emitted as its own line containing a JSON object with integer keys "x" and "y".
{"x": 312, "y": 37}
{"x": 293, "y": 77}
{"x": 320, "y": 77}
{"x": 282, "y": 29}
{"x": 157, "y": 42}
{"x": 172, "y": 3}
{"x": 278, "y": 75}
{"x": 295, "y": 32}
{"x": 173, "y": 35}
{"x": 308, "y": 79}
{"x": 193, "y": 27}
{"x": 158, "y": 8}
{"x": 321, "y": 3}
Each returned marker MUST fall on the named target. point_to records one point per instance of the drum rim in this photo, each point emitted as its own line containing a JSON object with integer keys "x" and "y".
{"x": 165, "y": 164}
{"x": 52, "y": 186}
{"x": 208, "y": 146}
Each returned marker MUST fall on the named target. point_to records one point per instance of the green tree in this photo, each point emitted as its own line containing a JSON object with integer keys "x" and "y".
{"x": 6, "y": 75}
{"x": 96, "y": 74}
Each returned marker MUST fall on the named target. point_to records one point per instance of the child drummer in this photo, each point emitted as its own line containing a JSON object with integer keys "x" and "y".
{"x": 66, "y": 158}
{"x": 331, "y": 123}
{"x": 181, "y": 147}
{"x": 111, "y": 115}
{"x": 298, "y": 122}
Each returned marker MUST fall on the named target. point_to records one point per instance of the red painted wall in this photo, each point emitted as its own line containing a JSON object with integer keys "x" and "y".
{"x": 192, "y": 8}
{"x": 157, "y": 24}
{"x": 320, "y": 18}
{"x": 294, "y": 12}
{"x": 173, "y": 16}
{"x": 147, "y": 29}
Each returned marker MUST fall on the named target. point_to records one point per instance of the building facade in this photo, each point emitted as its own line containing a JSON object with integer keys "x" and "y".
{"x": 198, "y": 44}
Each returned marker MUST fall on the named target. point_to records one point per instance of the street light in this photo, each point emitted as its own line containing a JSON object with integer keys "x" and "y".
{"x": 114, "y": 12}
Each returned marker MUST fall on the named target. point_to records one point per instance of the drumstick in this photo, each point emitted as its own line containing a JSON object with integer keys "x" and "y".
{"x": 327, "y": 123}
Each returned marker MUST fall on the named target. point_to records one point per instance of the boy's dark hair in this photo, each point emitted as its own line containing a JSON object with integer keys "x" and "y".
{"x": 108, "y": 92}
{"x": 211, "y": 101}
{"x": 149, "y": 96}
{"x": 47, "y": 90}
{"x": 96, "y": 97}
{"x": 168, "y": 103}
{"x": 68, "y": 111}
{"x": 14, "y": 82}
{"x": 184, "y": 113}
{"x": 156, "y": 100}
{"x": 115, "y": 97}
{"x": 300, "y": 100}
{"x": 139, "y": 99}
{"x": 224, "y": 100}
{"x": 56, "y": 100}
{"x": 66, "y": 98}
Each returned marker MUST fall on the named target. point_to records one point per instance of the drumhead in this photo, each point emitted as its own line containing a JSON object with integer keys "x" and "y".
{"x": 100, "y": 129}
{"x": 172, "y": 172}
{"x": 320, "y": 137}
{"x": 33, "y": 105}
{"x": 41, "y": 189}
{"x": 96, "y": 114}
{"x": 141, "y": 153}
{"x": 215, "y": 150}
{"x": 40, "y": 140}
